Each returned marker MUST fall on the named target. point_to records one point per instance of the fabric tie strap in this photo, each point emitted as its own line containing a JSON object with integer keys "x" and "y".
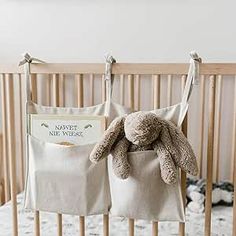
{"x": 27, "y": 60}
{"x": 193, "y": 75}
{"x": 109, "y": 78}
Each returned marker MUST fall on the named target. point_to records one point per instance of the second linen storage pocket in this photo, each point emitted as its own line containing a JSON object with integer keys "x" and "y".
{"x": 62, "y": 179}
{"x": 144, "y": 195}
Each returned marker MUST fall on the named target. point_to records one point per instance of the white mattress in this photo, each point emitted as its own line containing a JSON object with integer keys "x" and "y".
{"x": 222, "y": 223}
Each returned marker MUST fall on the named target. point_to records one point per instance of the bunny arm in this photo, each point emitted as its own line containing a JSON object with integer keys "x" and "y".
{"x": 167, "y": 165}
{"x": 120, "y": 164}
{"x": 178, "y": 146}
{"x": 103, "y": 148}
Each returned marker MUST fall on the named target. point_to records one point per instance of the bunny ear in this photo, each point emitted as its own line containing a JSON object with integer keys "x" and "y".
{"x": 180, "y": 149}
{"x": 103, "y": 147}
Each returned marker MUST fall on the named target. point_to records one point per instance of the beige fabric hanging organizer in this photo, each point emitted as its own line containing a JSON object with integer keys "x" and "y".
{"x": 61, "y": 178}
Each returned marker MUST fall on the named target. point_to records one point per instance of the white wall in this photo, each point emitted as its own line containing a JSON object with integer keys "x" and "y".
{"x": 133, "y": 31}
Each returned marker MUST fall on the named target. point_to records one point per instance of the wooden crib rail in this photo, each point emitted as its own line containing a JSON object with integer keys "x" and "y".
{"x": 130, "y": 77}
{"x": 122, "y": 68}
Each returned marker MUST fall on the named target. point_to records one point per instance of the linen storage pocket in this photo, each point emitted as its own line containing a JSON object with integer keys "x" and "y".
{"x": 144, "y": 195}
{"x": 62, "y": 179}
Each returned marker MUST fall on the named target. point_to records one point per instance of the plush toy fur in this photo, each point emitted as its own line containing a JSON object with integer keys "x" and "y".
{"x": 140, "y": 131}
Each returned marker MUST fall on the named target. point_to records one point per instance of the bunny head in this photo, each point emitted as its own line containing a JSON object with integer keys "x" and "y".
{"x": 142, "y": 128}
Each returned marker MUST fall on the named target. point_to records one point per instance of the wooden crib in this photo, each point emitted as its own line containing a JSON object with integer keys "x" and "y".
{"x": 129, "y": 78}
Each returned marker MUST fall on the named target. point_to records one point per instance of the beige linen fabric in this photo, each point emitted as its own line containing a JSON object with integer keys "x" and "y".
{"x": 144, "y": 195}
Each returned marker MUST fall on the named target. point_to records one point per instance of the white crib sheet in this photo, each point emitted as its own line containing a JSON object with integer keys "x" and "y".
{"x": 222, "y": 223}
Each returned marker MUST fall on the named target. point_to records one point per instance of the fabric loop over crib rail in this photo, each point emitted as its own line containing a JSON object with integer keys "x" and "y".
{"x": 193, "y": 75}
{"x": 109, "y": 78}
{"x": 26, "y": 62}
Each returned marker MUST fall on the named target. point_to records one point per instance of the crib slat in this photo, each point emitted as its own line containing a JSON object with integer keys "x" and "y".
{"x": 233, "y": 152}
{"x": 122, "y": 89}
{"x": 36, "y": 223}
{"x": 61, "y": 90}
{"x": 156, "y": 105}
{"x": 138, "y": 91}
{"x": 169, "y": 90}
{"x": 202, "y": 115}
{"x": 48, "y": 90}
{"x": 234, "y": 206}
{"x": 131, "y": 227}
{"x": 55, "y": 87}
{"x": 34, "y": 99}
{"x": 91, "y": 84}
{"x": 156, "y": 91}
{"x": 103, "y": 89}
{"x": 131, "y": 91}
{"x": 208, "y": 202}
{"x": 4, "y": 140}
{"x": 80, "y": 102}
{"x": 131, "y": 104}
{"x": 34, "y": 87}
{"x": 234, "y": 159}
{"x": 82, "y": 225}
{"x": 154, "y": 228}
{"x": 59, "y": 224}
{"x": 80, "y": 90}
{"x": 21, "y": 151}
{"x": 217, "y": 126}
{"x": 11, "y": 148}
{"x": 182, "y": 173}
{"x": 105, "y": 225}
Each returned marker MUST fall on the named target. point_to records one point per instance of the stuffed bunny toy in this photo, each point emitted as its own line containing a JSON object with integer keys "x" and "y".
{"x": 140, "y": 131}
